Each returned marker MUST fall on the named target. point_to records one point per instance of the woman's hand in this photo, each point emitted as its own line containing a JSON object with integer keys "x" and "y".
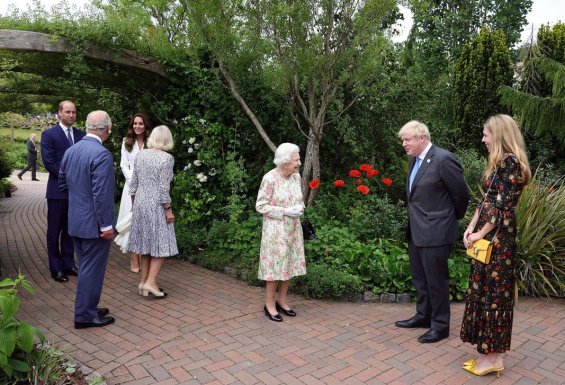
{"x": 469, "y": 238}
{"x": 169, "y": 216}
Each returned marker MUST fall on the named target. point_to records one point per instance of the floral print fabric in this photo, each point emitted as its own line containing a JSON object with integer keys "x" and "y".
{"x": 282, "y": 243}
{"x": 487, "y": 321}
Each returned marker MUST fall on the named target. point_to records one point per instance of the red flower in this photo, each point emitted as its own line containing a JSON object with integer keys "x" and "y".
{"x": 314, "y": 184}
{"x": 339, "y": 183}
{"x": 355, "y": 173}
{"x": 363, "y": 189}
{"x": 372, "y": 172}
{"x": 365, "y": 167}
{"x": 387, "y": 181}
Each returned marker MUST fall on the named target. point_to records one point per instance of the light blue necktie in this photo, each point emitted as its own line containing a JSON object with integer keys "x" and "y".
{"x": 414, "y": 171}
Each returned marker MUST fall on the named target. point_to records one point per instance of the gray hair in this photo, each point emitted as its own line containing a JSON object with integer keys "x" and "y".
{"x": 98, "y": 120}
{"x": 284, "y": 152}
{"x": 415, "y": 128}
{"x": 160, "y": 139}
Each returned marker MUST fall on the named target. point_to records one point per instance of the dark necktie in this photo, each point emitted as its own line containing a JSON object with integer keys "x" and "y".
{"x": 69, "y": 137}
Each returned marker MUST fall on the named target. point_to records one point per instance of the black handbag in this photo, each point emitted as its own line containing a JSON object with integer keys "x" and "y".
{"x": 308, "y": 230}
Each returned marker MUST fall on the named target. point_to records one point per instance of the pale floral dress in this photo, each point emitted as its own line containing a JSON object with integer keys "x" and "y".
{"x": 282, "y": 243}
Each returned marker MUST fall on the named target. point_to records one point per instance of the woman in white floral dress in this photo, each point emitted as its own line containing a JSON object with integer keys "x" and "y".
{"x": 152, "y": 229}
{"x": 282, "y": 243}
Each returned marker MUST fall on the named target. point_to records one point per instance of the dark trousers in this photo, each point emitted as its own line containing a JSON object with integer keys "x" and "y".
{"x": 59, "y": 244}
{"x": 92, "y": 256}
{"x": 430, "y": 276}
{"x": 31, "y": 165}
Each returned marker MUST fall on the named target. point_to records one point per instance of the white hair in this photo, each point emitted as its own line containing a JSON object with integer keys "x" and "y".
{"x": 98, "y": 120}
{"x": 160, "y": 138}
{"x": 283, "y": 154}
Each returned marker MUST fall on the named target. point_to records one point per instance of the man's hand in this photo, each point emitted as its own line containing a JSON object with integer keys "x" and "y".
{"x": 107, "y": 235}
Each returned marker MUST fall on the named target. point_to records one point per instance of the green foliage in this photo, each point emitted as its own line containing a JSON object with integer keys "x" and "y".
{"x": 473, "y": 168}
{"x": 323, "y": 281}
{"x": 15, "y": 335}
{"x": 541, "y": 238}
{"x": 459, "y": 269}
{"x": 483, "y": 66}
{"x": 7, "y": 159}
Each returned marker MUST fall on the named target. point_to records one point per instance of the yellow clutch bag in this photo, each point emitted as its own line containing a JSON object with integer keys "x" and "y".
{"x": 480, "y": 250}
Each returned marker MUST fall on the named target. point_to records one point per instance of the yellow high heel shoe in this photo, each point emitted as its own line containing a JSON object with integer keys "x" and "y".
{"x": 472, "y": 361}
{"x": 472, "y": 368}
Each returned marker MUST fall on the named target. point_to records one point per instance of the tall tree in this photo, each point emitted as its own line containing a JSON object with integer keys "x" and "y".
{"x": 309, "y": 50}
{"x": 539, "y": 100}
{"x": 484, "y": 66}
{"x": 442, "y": 27}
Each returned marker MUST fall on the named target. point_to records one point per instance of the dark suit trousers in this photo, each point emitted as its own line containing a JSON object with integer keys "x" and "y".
{"x": 430, "y": 276}
{"x": 59, "y": 243}
{"x": 92, "y": 256}
{"x": 31, "y": 165}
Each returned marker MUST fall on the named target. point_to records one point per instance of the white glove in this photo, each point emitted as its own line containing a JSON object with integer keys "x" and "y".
{"x": 294, "y": 211}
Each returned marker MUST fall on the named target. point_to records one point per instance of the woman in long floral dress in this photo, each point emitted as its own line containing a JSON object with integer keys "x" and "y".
{"x": 152, "y": 224}
{"x": 489, "y": 309}
{"x": 282, "y": 243}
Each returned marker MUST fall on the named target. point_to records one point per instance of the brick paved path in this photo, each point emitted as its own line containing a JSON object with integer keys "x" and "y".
{"x": 211, "y": 329}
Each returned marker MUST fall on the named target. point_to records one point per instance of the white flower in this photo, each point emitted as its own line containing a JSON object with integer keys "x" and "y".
{"x": 184, "y": 142}
{"x": 175, "y": 121}
{"x": 192, "y": 140}
{"x": 196, "y": 146}
{"x": 202, "y": 121}
{"x": 201, "y": 177}
{"x": 197, "y": 162}
{"x": 213, "y": 172}
{"x": 188, "y": 166}
{"x": 190, "y": 149}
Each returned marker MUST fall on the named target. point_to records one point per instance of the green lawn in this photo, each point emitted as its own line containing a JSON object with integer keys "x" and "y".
{"x": 19, "y": 133}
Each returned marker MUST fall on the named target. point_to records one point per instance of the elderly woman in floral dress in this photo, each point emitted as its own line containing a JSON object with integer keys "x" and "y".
{"x": 282, "y": 243}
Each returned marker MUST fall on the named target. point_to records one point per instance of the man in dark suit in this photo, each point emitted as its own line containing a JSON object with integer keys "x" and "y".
{"x": 87, "y": 173}
{"x": 54, "y": 142}
{"x": 437, "y": 197}
{"x": 31, "y": 158}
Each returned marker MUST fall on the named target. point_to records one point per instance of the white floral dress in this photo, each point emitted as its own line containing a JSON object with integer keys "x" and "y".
{"x": 282, "y": 243}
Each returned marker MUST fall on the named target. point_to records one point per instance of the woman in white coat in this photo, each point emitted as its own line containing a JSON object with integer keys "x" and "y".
{"x": 138, "y": 131}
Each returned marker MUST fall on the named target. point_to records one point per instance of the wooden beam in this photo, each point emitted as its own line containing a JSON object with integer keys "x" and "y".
{"x": 16, "y": 40}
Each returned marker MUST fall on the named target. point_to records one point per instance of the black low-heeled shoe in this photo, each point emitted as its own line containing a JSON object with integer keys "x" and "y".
{"x": 289, "y": 312}
{"x": 277, "y": 317}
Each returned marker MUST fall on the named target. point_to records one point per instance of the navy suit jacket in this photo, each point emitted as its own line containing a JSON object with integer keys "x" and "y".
{"x": 439, "y": 197}
{"x": 87, "y": 172}
{"x": 54, "y": 143}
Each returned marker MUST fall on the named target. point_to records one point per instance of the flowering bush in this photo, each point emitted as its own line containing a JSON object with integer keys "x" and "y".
{"x": 362, "y": 179}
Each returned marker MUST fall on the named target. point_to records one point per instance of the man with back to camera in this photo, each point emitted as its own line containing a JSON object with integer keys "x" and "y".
{"x": 437, "y": 196}
{"x": 54, "y": 142}
{"x": 31, "y": 158}
{"x": 87, "y": 173}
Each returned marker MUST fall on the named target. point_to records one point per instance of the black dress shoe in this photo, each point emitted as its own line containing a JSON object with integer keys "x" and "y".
{"x": 102, "y": 321}
{"x": 72, "y": 271}
{"x": 37, "y": 180}
{"x": 103, "y": 312}
{"x": 277, "y": 317}
{"x": 289, "y": 312}
{"x": 433, "y": 336}
{"x": 412, "y": 323}
{"x": 19, "y": 177}
{"x": 59, "y": 276}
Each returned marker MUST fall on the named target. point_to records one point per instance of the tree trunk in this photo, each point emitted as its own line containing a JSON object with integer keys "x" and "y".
{"x": 311, "y": 169}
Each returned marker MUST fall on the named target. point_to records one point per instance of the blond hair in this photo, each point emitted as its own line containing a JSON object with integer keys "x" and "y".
{"x": 415, "y": 128}
{"x": 160, "y": 139}
{"x": 506, "y": 139}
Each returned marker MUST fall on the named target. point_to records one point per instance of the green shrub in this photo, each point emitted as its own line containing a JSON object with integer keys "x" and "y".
{"x": 16, "y": 336}
{"x": 323, "y": 281}
{"x": 541, "y": 238}
{"x": 459, "y": 269}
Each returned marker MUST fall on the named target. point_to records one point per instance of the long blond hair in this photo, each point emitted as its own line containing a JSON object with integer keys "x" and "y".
{"x": 506, "y": 139}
